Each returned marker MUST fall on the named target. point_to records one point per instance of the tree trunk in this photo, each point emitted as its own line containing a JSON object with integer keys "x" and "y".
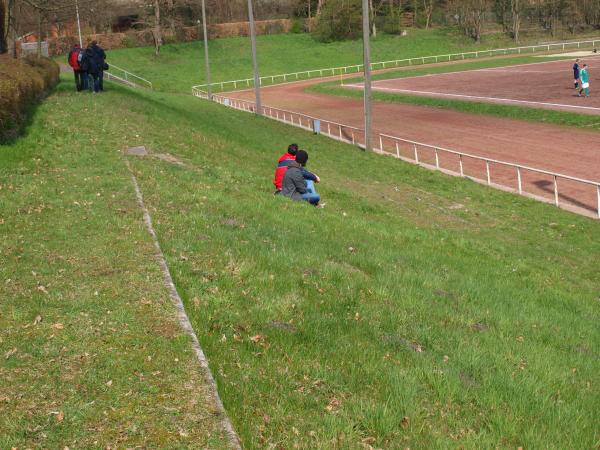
{"x": 39, "y": 34}
{"x": 309, "y": 16}
{"x": 157, "y": 33}
{"x": 3, "y": 26}
{"x": 373, "y": 26}
{"x": 319, "y": 8}
{"x": 516, "y": 18}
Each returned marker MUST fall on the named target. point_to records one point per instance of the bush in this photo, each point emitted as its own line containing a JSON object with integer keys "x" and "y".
{"x": 339, "y": 20}
{"x": 22, "y": 83}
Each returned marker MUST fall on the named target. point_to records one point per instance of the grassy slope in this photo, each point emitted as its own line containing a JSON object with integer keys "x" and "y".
{"x": 415, "y": 310}
{"x": 182, "y": 65}
{"x": 91, "y": 355}
{"x": 514, "y": 112}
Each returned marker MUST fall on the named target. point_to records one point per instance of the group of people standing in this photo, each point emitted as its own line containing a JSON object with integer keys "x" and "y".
{"x": 581, "y": 78}
{"x": 293, "y": 180}
{"x": 88, "y": 66}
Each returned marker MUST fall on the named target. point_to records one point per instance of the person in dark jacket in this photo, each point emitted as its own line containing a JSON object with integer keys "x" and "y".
{"x": 96, "y": 60}
{"x": 282, "y": 165}
{"x": 295, "y": 186}
{"x": 74, "y": 59}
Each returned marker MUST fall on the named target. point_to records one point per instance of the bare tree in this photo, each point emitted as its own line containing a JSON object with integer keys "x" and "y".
{"x": 428, "y": 11}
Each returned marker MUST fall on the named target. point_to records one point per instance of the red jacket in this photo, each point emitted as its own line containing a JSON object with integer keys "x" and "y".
{"x": 73, "y": 59}
{"x": 282, "y": 165}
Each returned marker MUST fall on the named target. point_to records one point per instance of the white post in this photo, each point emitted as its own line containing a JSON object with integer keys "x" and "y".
{"x": 329, "y": 128}
{"x": 353, "y": 142}
{"x": 598, "y": 188}
{"x": 519, "y": 180}
{"x": 381, "y": 143}
{"x": 254, "y": 58}
{"x": 460, "y": 162}
{"x": 437, "y": 160}
{"x": 78, "y": 24}
{"x": 340, "y": 132}
{"x": 416, "y": 154}
{"x": 366, "y": 25}
{"x": 487, "y": 170}
{"x": 206, "y": 60}
{"x": 398, "y": 149}
{"x": 555, "y": 191}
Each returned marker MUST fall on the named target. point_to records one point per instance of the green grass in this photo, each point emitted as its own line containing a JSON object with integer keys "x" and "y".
{"x": 564, "y": 118}
{"x": 181, "y": 66}
{"x": 91, "y": 353}
{"x": 415, "y": 310}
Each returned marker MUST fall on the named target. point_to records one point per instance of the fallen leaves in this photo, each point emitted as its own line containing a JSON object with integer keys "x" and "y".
{"x": 58, "y": 326}
{"x": 405, "y": 422}
{"x": 9, "y": 353}
{"x": 334, "y": 405}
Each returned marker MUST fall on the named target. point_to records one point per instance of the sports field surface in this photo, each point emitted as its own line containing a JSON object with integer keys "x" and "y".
{"x": 547, "y": 84}
{"x": 568, "y": 151}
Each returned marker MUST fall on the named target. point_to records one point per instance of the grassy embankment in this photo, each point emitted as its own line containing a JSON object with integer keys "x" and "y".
{"x": 181, "y": 66}
{"x": 414, "y": 310}
{"x": 91, "y": 353}
{"x": 566, "y": 118}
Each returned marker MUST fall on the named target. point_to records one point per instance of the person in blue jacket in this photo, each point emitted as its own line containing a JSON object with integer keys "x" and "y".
{"x": 576, "y": 73}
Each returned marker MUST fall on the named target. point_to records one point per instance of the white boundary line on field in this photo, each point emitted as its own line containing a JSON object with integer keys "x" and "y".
{"x": 184, "y": 320}
{"x": 474, "y": 97}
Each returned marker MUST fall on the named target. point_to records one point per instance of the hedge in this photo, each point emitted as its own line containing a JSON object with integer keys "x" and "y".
{"x": 22, "y": 83}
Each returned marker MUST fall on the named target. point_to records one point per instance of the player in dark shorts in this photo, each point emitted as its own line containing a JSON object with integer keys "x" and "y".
{"x": 576, "y": 73}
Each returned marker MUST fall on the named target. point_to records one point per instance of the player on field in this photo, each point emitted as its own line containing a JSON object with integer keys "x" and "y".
{"x": 576, "y": 73}
{"x": 585, "y": 81}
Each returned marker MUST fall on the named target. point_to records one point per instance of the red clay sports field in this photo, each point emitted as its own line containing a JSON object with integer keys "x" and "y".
{"x": 547, "y": 84}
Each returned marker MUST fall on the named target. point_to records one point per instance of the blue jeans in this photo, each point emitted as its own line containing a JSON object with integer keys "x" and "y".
{"x": 311, "y": 195}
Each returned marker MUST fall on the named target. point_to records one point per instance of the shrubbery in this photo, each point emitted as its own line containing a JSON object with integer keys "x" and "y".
{"x": 338, "y": 21}
{"x": 22, "y": 82}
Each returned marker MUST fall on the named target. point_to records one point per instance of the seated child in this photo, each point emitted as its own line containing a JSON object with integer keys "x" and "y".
{"x": 282, "y": 165}
{"x": 294, "y": 184}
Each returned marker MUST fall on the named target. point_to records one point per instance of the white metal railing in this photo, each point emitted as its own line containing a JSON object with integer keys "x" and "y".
{"x": 430, "y": 156}
{"x": 127, "y": 77}
{"x": 356, "y": 68}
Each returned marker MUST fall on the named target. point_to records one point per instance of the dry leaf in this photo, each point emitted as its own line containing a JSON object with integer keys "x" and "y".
{"x": 258, "y": 338}
{"x": 109, "y": 383}
{"x": 333, "y": 405}
{"x": 37, "y": 319}
{"x": 520, "y": 339}
{"x": 58, "y": 326}
{"x": 295, "y": 431}
{"x": 42, "y": 288}
{"x": 60, "y": 416}
{"x": 405, "y": 422}
{"x": 9, "y": 353}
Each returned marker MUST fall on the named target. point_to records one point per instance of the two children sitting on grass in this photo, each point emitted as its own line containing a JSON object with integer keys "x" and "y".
{"x": 293, "y": 180}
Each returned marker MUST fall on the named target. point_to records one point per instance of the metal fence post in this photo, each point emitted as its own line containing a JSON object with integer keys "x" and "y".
{"x": 437, "y": 159}
{"x": 460, "y": 163}
{"x": 487, "y": 170}
{"x": 397, "y": 149}
{"x": 519, "y": 180}
{"x": 555, "y": 191}
{"x": 381, "y": 143}
{"x": 416, "y": 154}
{"x": 598, "y": 188}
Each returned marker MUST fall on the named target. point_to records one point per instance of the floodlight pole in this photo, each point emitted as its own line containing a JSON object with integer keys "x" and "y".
{"x": 367, "y": 64}
{"x": 254, "y": 59}
{"x": 78, "y": 24}
{"x": 206, "y": 60}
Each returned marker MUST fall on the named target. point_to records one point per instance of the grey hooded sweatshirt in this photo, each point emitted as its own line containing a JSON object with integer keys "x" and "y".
{"x": 293, "y": 182}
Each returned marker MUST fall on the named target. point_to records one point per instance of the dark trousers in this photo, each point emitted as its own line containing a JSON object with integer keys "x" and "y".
{"x": 96, "y": 81}
{"x": 79, "y": 80}
{"x": 101, "y": 80}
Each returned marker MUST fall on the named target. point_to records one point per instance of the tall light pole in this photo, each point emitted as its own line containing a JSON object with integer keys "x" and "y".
{"x": 367, "y": 64}
{"x": 254, "y": 60}
{"x": 78, "y": 24}
{"x": 206, "y": 61}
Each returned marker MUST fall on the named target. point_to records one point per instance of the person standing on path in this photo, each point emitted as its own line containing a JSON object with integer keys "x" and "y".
{"x": 74, "y": 61}
{"x": 99, "y": 57}
{"x": 585, "y": 81}
{"x": 576, "y": 73}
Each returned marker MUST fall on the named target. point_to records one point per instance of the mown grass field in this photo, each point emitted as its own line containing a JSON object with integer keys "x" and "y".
{"x": 181, "y": 66}
{"x": 415, "y": 310}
